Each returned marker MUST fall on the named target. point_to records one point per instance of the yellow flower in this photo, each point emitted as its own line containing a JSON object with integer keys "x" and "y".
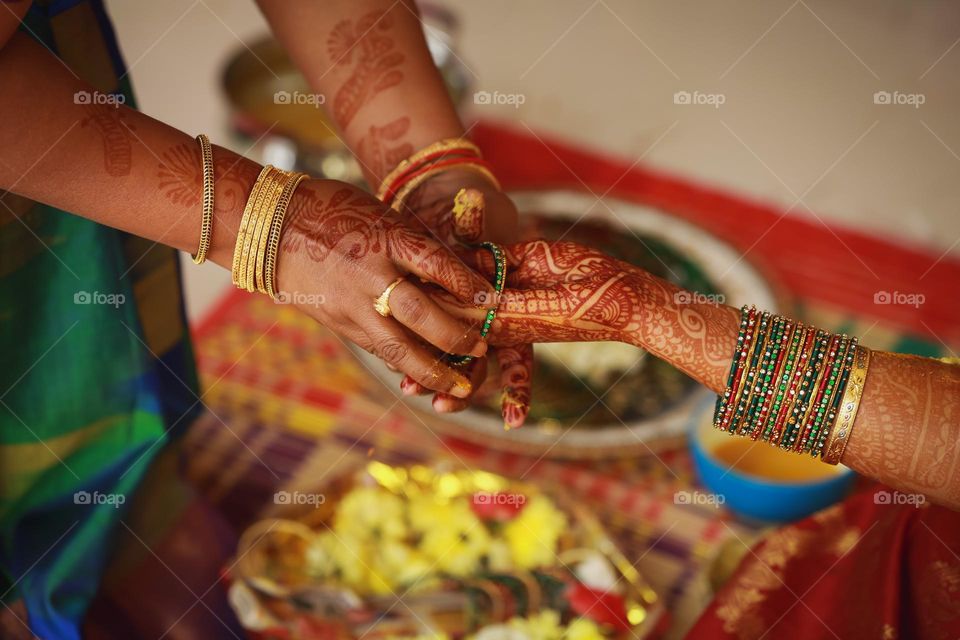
{"x": 343, "y": 559}
{"x": 532, "y": 536}
{"x": 426, "y": 512}
{"x": 540, "y": 626}
{"x": 583, "y": 629}
{"x": 399, "y": 567}
{"x": 370, "y": 514}
{"x": 456, "y": 540}
{"x": 498, "y": 556}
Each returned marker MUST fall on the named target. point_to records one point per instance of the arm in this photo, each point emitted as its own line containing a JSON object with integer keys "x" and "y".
{"x": 371, "y": 62}
{"x": 907, "y": 430}
{"x": 369, "y": 59}
{"x": 121, "y": 168}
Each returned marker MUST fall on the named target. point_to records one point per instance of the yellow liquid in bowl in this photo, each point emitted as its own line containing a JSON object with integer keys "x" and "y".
{"x": 763, "y": 461}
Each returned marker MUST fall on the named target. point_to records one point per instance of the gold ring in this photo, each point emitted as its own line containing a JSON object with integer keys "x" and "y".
{"x": 382, "y": 303}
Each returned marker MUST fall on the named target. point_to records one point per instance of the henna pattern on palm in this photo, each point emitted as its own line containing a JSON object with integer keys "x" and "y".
{"x": 117, "y": 146}
{"x": 367, "y": 46}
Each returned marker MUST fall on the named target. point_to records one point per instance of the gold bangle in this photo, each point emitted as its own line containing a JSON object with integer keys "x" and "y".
{"x": 244, "y": 223}
{"x": 244, "y": 242}
{"x": 262, "y": 212}
{"x": 401, "y": 196}
{"x": 206, "y": 224}
{"x": 276, "y": 228}
{"x": 448, "y": 144}
{"x": 849, "y": 404}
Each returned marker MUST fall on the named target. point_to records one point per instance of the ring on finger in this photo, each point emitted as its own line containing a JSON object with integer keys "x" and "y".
{"x": 382, "y": 303}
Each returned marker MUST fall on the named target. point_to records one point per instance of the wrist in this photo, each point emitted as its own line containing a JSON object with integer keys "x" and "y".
{"x": 234, "y": 177}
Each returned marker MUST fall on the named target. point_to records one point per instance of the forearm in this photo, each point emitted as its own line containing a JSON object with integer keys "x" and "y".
{"x": 370, "y": 61}
{"x": 109, "y": 163}
{"x": 907, "y": 429}
{"x": 907, "y": 432}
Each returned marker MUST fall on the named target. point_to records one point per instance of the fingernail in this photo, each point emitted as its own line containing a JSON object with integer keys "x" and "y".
{"x": 438, "y": 404}
{"x": 506, "y": 427}
{"x": 461, "y": 387}
{"x": 479, "y": 349}
{"x": 408, "y": 387}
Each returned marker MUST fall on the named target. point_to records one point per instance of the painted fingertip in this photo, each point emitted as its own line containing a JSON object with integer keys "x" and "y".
{"x": 444, "y": 403}
{"x": 461, "y": 388}
{"x": 513, "y": 412}
{"x": 468, "y": 206}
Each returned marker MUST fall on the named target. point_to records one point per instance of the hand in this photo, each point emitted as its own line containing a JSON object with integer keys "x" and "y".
{"x": 485, "y": 213}
{"x": 341, "y": 248}
{"x": 566, "y": 292}
{"x": 492, "y": 217}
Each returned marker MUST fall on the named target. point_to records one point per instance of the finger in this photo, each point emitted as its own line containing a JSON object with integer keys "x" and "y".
{"x": 468, "y": 214}
{"x": 527, "y": 315}
{"x": 431, "y": 261}
{"x": 390, "y": 342}
{"x": 516, "y": 374}
{"x": 416, "y": 311}
{"x": 476, "y": 371}
{"x": 410, "y": 387}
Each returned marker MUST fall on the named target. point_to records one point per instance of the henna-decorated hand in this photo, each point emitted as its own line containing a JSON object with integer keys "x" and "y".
{"x": 483, "y": 213}
{"x": 341, "y": 248}
{"x": 566, "y": 292}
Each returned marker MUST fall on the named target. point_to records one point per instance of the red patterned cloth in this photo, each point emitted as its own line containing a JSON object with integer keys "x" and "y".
{"x": 865, "y": 568}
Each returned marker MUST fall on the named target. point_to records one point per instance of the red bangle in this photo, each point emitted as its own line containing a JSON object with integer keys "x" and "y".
{"x": 442, "y": 164}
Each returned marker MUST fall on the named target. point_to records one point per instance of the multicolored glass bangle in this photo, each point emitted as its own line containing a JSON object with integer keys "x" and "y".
{"x": 792, "y": 385}
{"x": 499, "y": 280}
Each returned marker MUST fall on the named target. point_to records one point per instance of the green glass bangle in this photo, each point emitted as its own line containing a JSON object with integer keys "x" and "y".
{"x": 499, "y": 280}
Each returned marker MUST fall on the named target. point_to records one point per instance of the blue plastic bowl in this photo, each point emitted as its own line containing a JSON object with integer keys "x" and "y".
{"x": 758, "y": 498}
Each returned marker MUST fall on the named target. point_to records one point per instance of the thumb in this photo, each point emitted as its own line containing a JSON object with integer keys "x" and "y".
{"x": 468, "y": 210}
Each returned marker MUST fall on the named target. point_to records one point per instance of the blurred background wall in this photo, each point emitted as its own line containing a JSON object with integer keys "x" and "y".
{"x": 776, "y": 101}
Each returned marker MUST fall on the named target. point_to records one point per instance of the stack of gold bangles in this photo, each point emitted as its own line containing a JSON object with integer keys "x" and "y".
{"x": 793, "y": 386}
{"x": 258, "y": 241}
